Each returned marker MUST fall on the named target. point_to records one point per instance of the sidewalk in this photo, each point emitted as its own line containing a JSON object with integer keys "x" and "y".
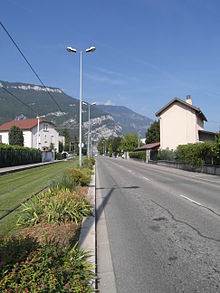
{"x": 12, "y": 169}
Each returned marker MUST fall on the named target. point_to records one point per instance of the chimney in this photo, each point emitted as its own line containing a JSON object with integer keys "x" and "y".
{"x": 189, "y": 100}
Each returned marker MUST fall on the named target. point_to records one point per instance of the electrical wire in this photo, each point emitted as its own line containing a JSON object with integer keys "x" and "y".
{"x": 14, "y": 96}
{"x": 31, "y": 67}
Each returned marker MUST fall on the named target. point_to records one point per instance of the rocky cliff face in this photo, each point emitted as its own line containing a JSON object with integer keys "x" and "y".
{"x": 129, "y": 120}
{"x": 36, "y": 97}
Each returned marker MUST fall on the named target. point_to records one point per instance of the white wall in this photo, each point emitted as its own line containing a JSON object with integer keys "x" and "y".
{"x": 46, "y": 137}
{"x": 179, "y": 125}
{"x": 4, "y": 137}
{"x": 27, "y": 138}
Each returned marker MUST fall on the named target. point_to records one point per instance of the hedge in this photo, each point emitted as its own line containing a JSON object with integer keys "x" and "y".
{"x": 199, "y": 154}
{"x": 141, "y": 155}
{"x": 18, "y": 155}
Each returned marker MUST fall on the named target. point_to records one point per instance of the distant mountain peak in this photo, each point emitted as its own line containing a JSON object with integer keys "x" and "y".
{"x": 129, "y": 120}
{"x": 26, "y": 87}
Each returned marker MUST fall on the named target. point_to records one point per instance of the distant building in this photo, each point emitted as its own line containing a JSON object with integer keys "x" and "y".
{"x": 181, "y": 123}
{"x": 48, "y": 135}
{"x": 151, "y": 150}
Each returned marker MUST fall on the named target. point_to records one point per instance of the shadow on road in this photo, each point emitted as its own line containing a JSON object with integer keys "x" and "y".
{"x": 107, "y": 197}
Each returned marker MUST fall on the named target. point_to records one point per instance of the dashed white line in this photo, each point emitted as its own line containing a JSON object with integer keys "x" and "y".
{"x": 193, "y": 201}
{"x": 199, "y": 204}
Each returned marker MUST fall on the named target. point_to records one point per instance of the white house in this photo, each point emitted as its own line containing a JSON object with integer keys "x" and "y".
{"x": 48, "y": 135}
{"x": 181, "y": 123}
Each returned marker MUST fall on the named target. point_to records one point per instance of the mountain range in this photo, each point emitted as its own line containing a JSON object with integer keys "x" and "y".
{"x": 22, "y": 100}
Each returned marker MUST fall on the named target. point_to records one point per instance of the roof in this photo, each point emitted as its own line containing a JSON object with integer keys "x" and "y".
{"x": 148, "y": 146}
{"x": 208, "y": 132}
{"x": 23, "y": 124}
{"x": 197, "y": 110}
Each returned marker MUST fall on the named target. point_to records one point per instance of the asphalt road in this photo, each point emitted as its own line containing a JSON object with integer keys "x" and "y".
{"x": 162, "y": 229}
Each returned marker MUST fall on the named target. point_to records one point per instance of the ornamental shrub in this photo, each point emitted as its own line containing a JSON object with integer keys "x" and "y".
{"x": 197, "y": 154}
{"x": 168, "y": 155}
{"x": 80, "y": 176}
{"x": 141, "y": 155}
{"x": 88, "y": 163}
{"x": 55, "y": 206}
{"x": 49, "y": 268}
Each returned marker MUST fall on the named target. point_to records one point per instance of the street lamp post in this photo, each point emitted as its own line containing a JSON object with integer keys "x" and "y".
{"x": 72, "y": 50}
{"x": 38, "y": 131}
{"x": 89, "y": 127}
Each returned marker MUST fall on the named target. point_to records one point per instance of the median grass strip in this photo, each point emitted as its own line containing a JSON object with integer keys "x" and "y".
{"x": 44, "y": 256}
{"x": 16, "y": 187}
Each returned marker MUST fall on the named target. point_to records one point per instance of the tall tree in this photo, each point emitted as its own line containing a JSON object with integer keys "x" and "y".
{"x": 153, "y": 133}
{"x": 102, "y": 145}
{"x": 114, "y": 144}
{"x": 67, "y": 139}
{"x": 16, "y": 136}
{"x": 129, "y": 142}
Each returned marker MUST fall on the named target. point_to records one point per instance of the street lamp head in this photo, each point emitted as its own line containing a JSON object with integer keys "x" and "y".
{"x": 70, "y": 49}
{"x": 91, "y": 49}
{"x": 93, "y": 104}
{"x": 84, "y": 103}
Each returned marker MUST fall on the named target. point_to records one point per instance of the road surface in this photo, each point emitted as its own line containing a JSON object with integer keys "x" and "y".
{"x": 158, "y": 228}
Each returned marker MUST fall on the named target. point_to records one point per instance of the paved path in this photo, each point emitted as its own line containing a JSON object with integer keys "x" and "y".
{"x": 11, "y": 169}
{"x": 161, "y": 229}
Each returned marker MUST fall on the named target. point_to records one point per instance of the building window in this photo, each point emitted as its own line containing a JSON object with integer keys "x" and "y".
{"x": 45, "y": 126}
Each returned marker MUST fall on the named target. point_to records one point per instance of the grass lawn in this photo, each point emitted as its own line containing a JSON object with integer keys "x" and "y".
{"x": 16, "y": 187}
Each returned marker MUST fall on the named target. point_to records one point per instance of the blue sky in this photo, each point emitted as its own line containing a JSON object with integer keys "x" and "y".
{"x": 147, "y": 51}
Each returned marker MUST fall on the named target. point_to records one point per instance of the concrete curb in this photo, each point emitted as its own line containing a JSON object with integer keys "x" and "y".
{"x": 87, "y": 237}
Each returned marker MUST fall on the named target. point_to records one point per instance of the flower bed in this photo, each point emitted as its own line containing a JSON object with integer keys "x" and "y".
{"x": 44, "y": 257}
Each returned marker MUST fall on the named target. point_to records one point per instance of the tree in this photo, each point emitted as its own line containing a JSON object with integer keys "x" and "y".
{"x": 16, "y": 136}
{"x": 129, "y": 142}
{"x": 114, "y": 144}
{"x": 67, "y": 139}
{"x": 102, "y": 145}
{"x": 153, "y": 133}
{"x": 60, "y": 146}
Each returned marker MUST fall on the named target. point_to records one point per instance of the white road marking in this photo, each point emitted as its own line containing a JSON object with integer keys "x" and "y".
{"x": 146, "y": 178}
{"x": 193, "y": 201}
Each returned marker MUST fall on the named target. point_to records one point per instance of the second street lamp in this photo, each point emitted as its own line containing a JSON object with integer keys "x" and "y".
{"x": 73, "y": 50}
{"x": 89, "y": 127}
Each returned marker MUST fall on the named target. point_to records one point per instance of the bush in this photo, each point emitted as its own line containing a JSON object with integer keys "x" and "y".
{"x": 168, "y": 155}
{"x": 88, "y": 163}
{"x": 55, "y": 206}
{"x": 65, "y": 182}
{"x": 141, "y": 155}
{"x": 197, "y": 154}
{"x": 49, "y": 268}
{"x": 80, "y": 176}
{"x": 18, "y": 155}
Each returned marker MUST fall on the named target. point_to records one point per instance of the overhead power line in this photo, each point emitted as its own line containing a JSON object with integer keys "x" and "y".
{"x": 14, "y": 96}
{"x": 31, "y": 67}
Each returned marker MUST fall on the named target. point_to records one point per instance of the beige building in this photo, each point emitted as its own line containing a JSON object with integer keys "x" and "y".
{"x": 180, "y": 123}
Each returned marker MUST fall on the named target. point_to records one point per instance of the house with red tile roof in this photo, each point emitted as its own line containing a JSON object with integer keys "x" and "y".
{"x": 38, "y": 133}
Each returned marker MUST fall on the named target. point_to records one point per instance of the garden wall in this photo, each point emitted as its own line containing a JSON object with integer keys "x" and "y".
{"x": 208, "y": 169}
